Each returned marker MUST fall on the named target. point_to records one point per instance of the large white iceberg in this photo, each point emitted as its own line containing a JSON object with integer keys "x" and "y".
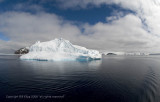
{"x": 58, "y": 50}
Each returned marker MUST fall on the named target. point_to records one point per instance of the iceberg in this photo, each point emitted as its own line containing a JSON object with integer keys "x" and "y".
{"x": 60, "y": 50}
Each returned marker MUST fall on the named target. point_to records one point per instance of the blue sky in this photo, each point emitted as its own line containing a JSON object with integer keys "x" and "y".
{"x": 116, "y": 25}
{"x": 3, "y": 37}
{"x": 90, "y": 15}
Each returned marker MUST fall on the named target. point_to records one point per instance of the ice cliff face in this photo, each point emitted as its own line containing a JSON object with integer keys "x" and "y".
{"x": 58, "y": 50}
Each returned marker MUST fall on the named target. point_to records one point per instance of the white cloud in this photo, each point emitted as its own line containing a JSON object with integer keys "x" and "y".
{"x": 27, "y": 28}
{"x": 132, "y": 4}
{"x": 27, "y": 7}
{"x": 148, "y": 10}
{"x": 123, "y": 33}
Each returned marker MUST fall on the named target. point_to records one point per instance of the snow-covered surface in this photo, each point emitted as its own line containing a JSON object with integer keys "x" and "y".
{"x": 58, "y": 50}
{"x": 125, "y": 53}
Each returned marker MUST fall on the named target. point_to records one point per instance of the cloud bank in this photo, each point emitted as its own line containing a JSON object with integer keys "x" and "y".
{"x": 131, "y": 32}
{"x": 147, "y": 10}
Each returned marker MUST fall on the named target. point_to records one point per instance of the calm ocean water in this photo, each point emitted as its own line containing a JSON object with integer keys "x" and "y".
{"x": 112, "y": 79}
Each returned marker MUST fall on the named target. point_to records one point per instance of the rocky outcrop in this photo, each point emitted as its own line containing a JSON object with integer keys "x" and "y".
{"x": 22, "y": 51}
{"x": 111, "y": 54}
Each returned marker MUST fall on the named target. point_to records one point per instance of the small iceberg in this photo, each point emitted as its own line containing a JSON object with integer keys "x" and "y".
{"x": 60, "y": 50}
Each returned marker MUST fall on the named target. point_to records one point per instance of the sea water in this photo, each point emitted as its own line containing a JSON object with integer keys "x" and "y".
{"x": 112, "y": 79}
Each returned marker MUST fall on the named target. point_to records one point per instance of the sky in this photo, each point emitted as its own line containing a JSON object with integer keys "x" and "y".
{"x": 108, "y": 25}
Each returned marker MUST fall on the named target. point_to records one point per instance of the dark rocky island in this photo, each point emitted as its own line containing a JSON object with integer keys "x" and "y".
{"x": 111, "y": 54}
{"x": 22, "y": 51}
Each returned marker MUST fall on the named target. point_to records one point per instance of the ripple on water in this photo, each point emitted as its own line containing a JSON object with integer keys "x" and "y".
{"x": 148, "y": 89}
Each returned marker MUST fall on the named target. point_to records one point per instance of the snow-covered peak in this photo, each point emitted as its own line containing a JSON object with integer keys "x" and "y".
{"x": 60, "y": 49}
{"x": 55, "y": 45}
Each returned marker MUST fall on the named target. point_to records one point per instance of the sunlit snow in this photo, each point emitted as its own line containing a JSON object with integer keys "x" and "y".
{"x": 60, "y": 50}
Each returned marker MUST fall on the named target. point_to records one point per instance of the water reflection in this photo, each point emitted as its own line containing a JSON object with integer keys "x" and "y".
{"x": 112, "y": 79}
{"x": 61, "y": 65}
